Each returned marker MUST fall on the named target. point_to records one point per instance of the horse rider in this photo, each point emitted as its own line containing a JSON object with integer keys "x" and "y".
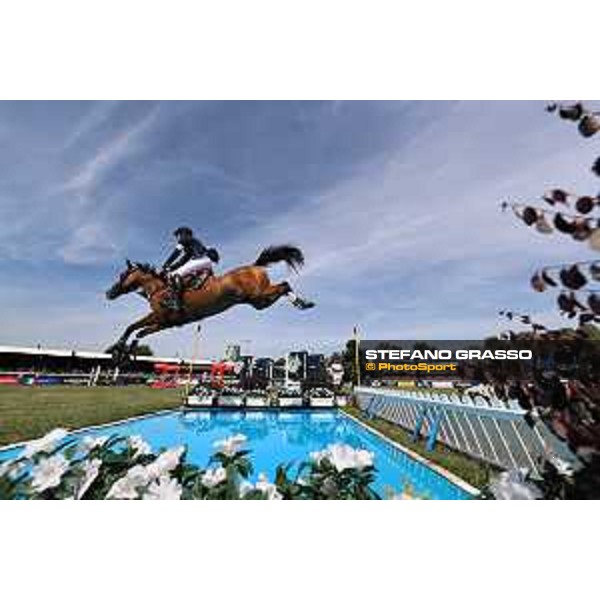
{"x": 189, "y": 257}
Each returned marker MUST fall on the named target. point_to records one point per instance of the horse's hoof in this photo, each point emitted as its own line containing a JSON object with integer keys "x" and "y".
{"x": 303, "y": 304}
{"x": 118, "y": 352}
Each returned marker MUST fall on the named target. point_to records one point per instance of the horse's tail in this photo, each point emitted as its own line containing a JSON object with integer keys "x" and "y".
{"x": 291, "y": 255}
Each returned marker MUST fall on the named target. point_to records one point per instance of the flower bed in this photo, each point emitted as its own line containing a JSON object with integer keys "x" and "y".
{"x": 56, "y": 468}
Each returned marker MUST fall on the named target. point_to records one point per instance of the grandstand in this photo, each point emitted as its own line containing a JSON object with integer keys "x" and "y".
{"x": 47, "y": 366}
{"x": 20, "y": 364}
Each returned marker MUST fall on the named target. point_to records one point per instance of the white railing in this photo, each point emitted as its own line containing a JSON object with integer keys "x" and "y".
{"x": 488, "y": 429}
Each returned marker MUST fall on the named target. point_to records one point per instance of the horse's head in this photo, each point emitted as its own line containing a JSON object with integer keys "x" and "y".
{"x": 129, "y": 280}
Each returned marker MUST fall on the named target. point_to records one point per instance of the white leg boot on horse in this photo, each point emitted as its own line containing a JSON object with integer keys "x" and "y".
{"x": 299, "y": 302}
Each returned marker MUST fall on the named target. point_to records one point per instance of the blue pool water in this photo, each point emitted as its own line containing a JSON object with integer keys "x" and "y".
{"x": 276, "y": 437}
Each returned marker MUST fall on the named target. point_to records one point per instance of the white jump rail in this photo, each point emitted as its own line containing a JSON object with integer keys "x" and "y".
{"x": 290, "y": 401}
{"x": 490, "y": 430}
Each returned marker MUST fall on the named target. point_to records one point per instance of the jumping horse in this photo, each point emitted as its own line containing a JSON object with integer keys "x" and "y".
{"x": 245, "y": 285}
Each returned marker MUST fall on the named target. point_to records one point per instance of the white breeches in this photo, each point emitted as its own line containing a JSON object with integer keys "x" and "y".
{"x": 196, "y": 264}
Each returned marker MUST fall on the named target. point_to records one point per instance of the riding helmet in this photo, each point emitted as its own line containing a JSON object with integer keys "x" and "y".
{"x": 183, "y": 231}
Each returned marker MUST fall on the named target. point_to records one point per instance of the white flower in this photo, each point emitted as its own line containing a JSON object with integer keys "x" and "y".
{"x": 343, "y": 456}
{"x": 89, "y": 443}
{"x": 263, "y": 486}
{"x": 48, "y": 472}
{"x": 44, "y": 444}
{"x": 166, "y": 462}
{"x": 511, "y": 485}
{"x": 267, "y": 488}
{"x": 212, "y": 477}
{"x": 91, "y": 468}
{"x": 164, "y": 489}
{"x": 562, "y": 466}
{"x": 126, "y": 488}
{"x": 139, "y": 476}
{"x": 136, "y": 442}
{"x": 230, "y": 445}
{"x": 318, "y": 455}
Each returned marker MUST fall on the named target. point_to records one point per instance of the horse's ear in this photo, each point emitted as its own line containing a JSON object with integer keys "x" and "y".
{"x": 128, "y": 263}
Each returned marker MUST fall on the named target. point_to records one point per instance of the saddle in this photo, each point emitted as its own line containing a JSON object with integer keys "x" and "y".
{"x": 196, "y": 280}
{"x": 193, "y": 281}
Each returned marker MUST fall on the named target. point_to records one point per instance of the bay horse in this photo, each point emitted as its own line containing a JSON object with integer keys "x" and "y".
{"x": 245, "y": 285}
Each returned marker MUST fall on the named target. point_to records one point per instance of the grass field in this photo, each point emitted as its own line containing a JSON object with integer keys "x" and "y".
{"x": 29, "y": 412}
{"x": 468, "y": 469}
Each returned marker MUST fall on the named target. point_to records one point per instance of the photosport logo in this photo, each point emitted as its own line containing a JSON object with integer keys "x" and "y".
{"x": 476, "y": 359}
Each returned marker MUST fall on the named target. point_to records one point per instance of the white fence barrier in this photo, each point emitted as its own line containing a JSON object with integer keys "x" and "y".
{"x": 488, "y": 429}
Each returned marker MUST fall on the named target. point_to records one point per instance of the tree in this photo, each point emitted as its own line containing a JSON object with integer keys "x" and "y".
{"x": 572, "y": 414}
{"x": 144, "y": 350}
{"x": 349, "y": 361}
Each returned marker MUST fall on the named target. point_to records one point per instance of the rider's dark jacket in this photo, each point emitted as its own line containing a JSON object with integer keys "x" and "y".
{"x": 184, "y": 252}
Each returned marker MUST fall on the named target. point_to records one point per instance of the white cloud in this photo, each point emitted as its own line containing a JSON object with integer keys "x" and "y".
{"x": 99, "y": 113}
{"x": 91, "y": 237}
{"x": 425, "y": 221}
{"x": 120, "y": 147}
{"x": 88, "y": 244}
{"x": 412, "y": 244}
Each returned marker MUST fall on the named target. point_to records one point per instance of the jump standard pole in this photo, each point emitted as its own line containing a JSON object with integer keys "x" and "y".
{"x": 356, "y": 356}
{"x": 194, "y": 356}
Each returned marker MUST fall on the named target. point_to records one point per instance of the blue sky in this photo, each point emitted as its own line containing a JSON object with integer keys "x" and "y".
{"x": 395, "y": 205}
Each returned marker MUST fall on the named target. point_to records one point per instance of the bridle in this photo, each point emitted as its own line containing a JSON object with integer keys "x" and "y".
{"x": 150, "y": 295}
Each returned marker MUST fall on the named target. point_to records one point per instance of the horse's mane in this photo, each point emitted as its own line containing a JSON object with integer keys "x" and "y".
{"x": 148, "y": 268}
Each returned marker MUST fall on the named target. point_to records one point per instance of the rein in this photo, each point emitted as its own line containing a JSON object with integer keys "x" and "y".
{"x": 159, "y": 288}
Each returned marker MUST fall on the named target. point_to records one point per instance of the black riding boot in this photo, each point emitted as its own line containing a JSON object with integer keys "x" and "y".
{"x": 177, "y": 288}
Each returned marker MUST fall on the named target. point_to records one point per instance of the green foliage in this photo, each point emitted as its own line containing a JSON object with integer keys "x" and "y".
{"x": 349, "y": 361}
{"x": 56, "y": 468}
{"x": 144, "y": 350}
{"x": 592, "y": 332}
